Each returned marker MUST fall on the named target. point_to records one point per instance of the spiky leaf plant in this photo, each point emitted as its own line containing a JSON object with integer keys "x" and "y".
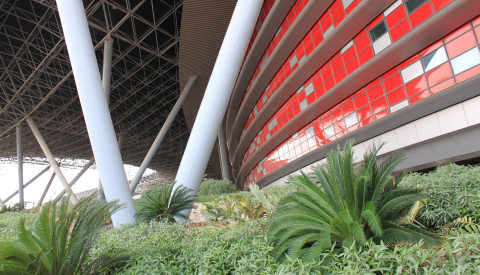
{"x": 60, "y": 241}
{"x": 162, "y": 203}
{"x": 346, "y": 206}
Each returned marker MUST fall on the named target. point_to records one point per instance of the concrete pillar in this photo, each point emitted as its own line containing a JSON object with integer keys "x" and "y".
{"x": 222, "y": 146}
{"x": 217, "y": 95}
{"x": 21, "y": 200}
{"x": 51, "y": 159}
{"x": 95, "y": 108}
{"x": 158, "y": 140}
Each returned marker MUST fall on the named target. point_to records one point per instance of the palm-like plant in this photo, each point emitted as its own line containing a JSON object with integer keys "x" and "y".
{"x": 162, "y": 203}
{"x": 347, "y": 207}
{"x": 60, "y": 242}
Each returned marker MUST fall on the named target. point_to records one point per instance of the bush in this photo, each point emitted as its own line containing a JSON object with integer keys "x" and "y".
{"x": 453, "y": 192}
{"x": 216, "y": 187}
{"x": 161, "y": 248}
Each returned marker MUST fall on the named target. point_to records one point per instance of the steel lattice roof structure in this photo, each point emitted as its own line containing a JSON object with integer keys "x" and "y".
{"x": 36, "y": 78}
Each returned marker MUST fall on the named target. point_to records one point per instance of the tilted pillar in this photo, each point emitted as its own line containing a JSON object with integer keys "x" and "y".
{"x": 95, "y": 108}
{"x": 158, "y": 140}
{"x": 106, "y": 80}
{"x": 51, "y": 159}
{"x": 217, "y": 94}
{"x": 222, "y": 146}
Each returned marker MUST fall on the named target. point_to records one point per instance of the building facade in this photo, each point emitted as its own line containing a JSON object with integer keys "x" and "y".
{"x": 318, "y": 73}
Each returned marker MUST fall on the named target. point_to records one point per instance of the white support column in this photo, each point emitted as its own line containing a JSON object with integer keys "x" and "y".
{"x": 222, "y": 146}
{"x": 51, "y": 159}
{"x": 21, "y": 200}
{"x": 106, "y": 80}
{"x": 101, "y": 194}
{"x": 95, "y": 108}
{"x": 217, "y": 94}
{"x": 27, "y": 184}
{"x": 77, "y": 177}
{"x": 40, "y": 201}
{"x": 158, "y": 140}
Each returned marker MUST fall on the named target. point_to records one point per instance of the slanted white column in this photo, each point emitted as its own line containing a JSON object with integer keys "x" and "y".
{"x": 77, "y": 177}
{"x": 21, "y": 200}
{"x": 40, "y": 201}
{"x": 51, "y": 159}
{"x": 158, "y": 140}
{"x": 217, "y": 94}
{"x": 106, "y": 80}
{"x": 95, "y": 108}
{"x": 222, "y": 145}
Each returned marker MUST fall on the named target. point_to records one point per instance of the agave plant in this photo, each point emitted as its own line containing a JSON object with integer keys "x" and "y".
{"x": 162, "y": 203}
{"x": 268, "y": 202}
{"x": 346, "y": 207}
{"x": 60, "y": 241}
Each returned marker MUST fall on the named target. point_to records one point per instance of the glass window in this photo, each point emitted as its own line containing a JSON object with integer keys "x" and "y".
{"x": 434, "y": 59}
{"x": 412, "y": 5}
{"x": 346, "y": 3}
{"x": 465, "y": 61}
{"x": 411, "y": 72}
{"x": 329, "y": 132}
{"x": 377, "y": 31}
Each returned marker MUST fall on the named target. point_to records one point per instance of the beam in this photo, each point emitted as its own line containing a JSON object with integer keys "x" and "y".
{"x": 40, "y": 201}
{"x": 27, "y": 184}
{"x": 95, "y": 108}
{"x": 163, "y": 131}
{"x": 77, "y": 177}
{"x": 222, "y": 146}
{"x": 51, "y": 159}
{"x": 217, "y": 95}
{"x": 21, "y": 199}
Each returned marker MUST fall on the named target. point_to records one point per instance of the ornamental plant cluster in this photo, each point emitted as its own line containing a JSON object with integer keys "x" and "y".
{"x": 340, "y": 219}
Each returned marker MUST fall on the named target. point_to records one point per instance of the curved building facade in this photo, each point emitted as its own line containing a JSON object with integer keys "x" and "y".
{"x": 317, "y": 73}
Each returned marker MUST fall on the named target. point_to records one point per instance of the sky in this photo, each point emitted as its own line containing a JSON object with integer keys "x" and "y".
{"x": 32, "y": 193}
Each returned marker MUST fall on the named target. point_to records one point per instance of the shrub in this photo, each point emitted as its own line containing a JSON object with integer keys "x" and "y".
{"x": 349, "y": 207}
{"x": 162, "y": 248}
{"x": 234, "y": 208}
{"x": 162, "y": 203}
{"x": 216, "y": 187}
{"x": 60, "y": 242}
{"x": 452, "y": 193}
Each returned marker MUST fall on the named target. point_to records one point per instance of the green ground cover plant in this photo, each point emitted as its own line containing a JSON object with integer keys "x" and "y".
{"x": 347, "y": 206}
{"x": 242, "y": 248}
{"x": 453, "y": 192}
{"x": 9, "y": 222}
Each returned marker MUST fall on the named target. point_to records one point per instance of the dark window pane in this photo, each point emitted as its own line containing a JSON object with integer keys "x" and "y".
{"x": 377, "y": 31}
{"x": 412, "y": 5}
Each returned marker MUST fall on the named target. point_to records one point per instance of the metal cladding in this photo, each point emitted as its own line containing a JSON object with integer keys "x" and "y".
{"x": 404, "y": 72}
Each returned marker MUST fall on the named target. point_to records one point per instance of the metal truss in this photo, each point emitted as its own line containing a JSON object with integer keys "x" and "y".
{"x": 36, "y": 79}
